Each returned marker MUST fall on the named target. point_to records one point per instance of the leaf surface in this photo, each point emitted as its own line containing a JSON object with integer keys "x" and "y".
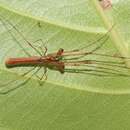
{"x": 65, "y": 101}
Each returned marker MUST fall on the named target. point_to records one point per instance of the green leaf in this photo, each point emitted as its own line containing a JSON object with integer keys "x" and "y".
{"x": 65, "y": 101}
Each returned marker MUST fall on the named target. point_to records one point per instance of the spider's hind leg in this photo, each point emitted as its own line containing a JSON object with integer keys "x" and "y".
{"x": 41, "y": 46}
{"x": 43, "y": 77}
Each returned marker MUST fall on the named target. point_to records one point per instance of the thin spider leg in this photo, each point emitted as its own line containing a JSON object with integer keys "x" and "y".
{"x": 43, "y": 52}
{"x": 24, "y": 74}
{"x": 82, "y": 54}
{"x": 85, "y": 71}
{"x": 98, "y": 54}
{"x": 9, "y": 31}
{"x": 41, "y": 78}
{"x": 29, "y": 43}
{"x": 98, "y": 47}
{"x": 96, "y": 62}
{"x": 45, "y": 71}
{"x": 21, "y": 84}
{"x": 102, "y": 43}
{"x": 91, "y": 52}
{"x": 94, "y": 73}
{"x": 94, "y": 42}
{"x": 36, "y": 46}
{"x": 97, "y": 68}
{"x": 103, "y": 68}
{"x": 75, "y": 58}
{"x": 121, "y": 64}
{"x": 112, "y": 64}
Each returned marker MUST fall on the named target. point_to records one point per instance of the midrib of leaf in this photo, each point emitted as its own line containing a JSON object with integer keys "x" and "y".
{"x": 115, "y": 36}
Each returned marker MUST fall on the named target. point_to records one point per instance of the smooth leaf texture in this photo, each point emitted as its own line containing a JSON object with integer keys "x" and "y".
{"x": 65, "y": 101}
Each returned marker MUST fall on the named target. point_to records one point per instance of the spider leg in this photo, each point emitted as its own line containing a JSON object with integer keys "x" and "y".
{"x": 43, "y": 77}
{"x": 21, "y": 34}
{"x": 20, "y": 84}
{"x": 43, "y": 51}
